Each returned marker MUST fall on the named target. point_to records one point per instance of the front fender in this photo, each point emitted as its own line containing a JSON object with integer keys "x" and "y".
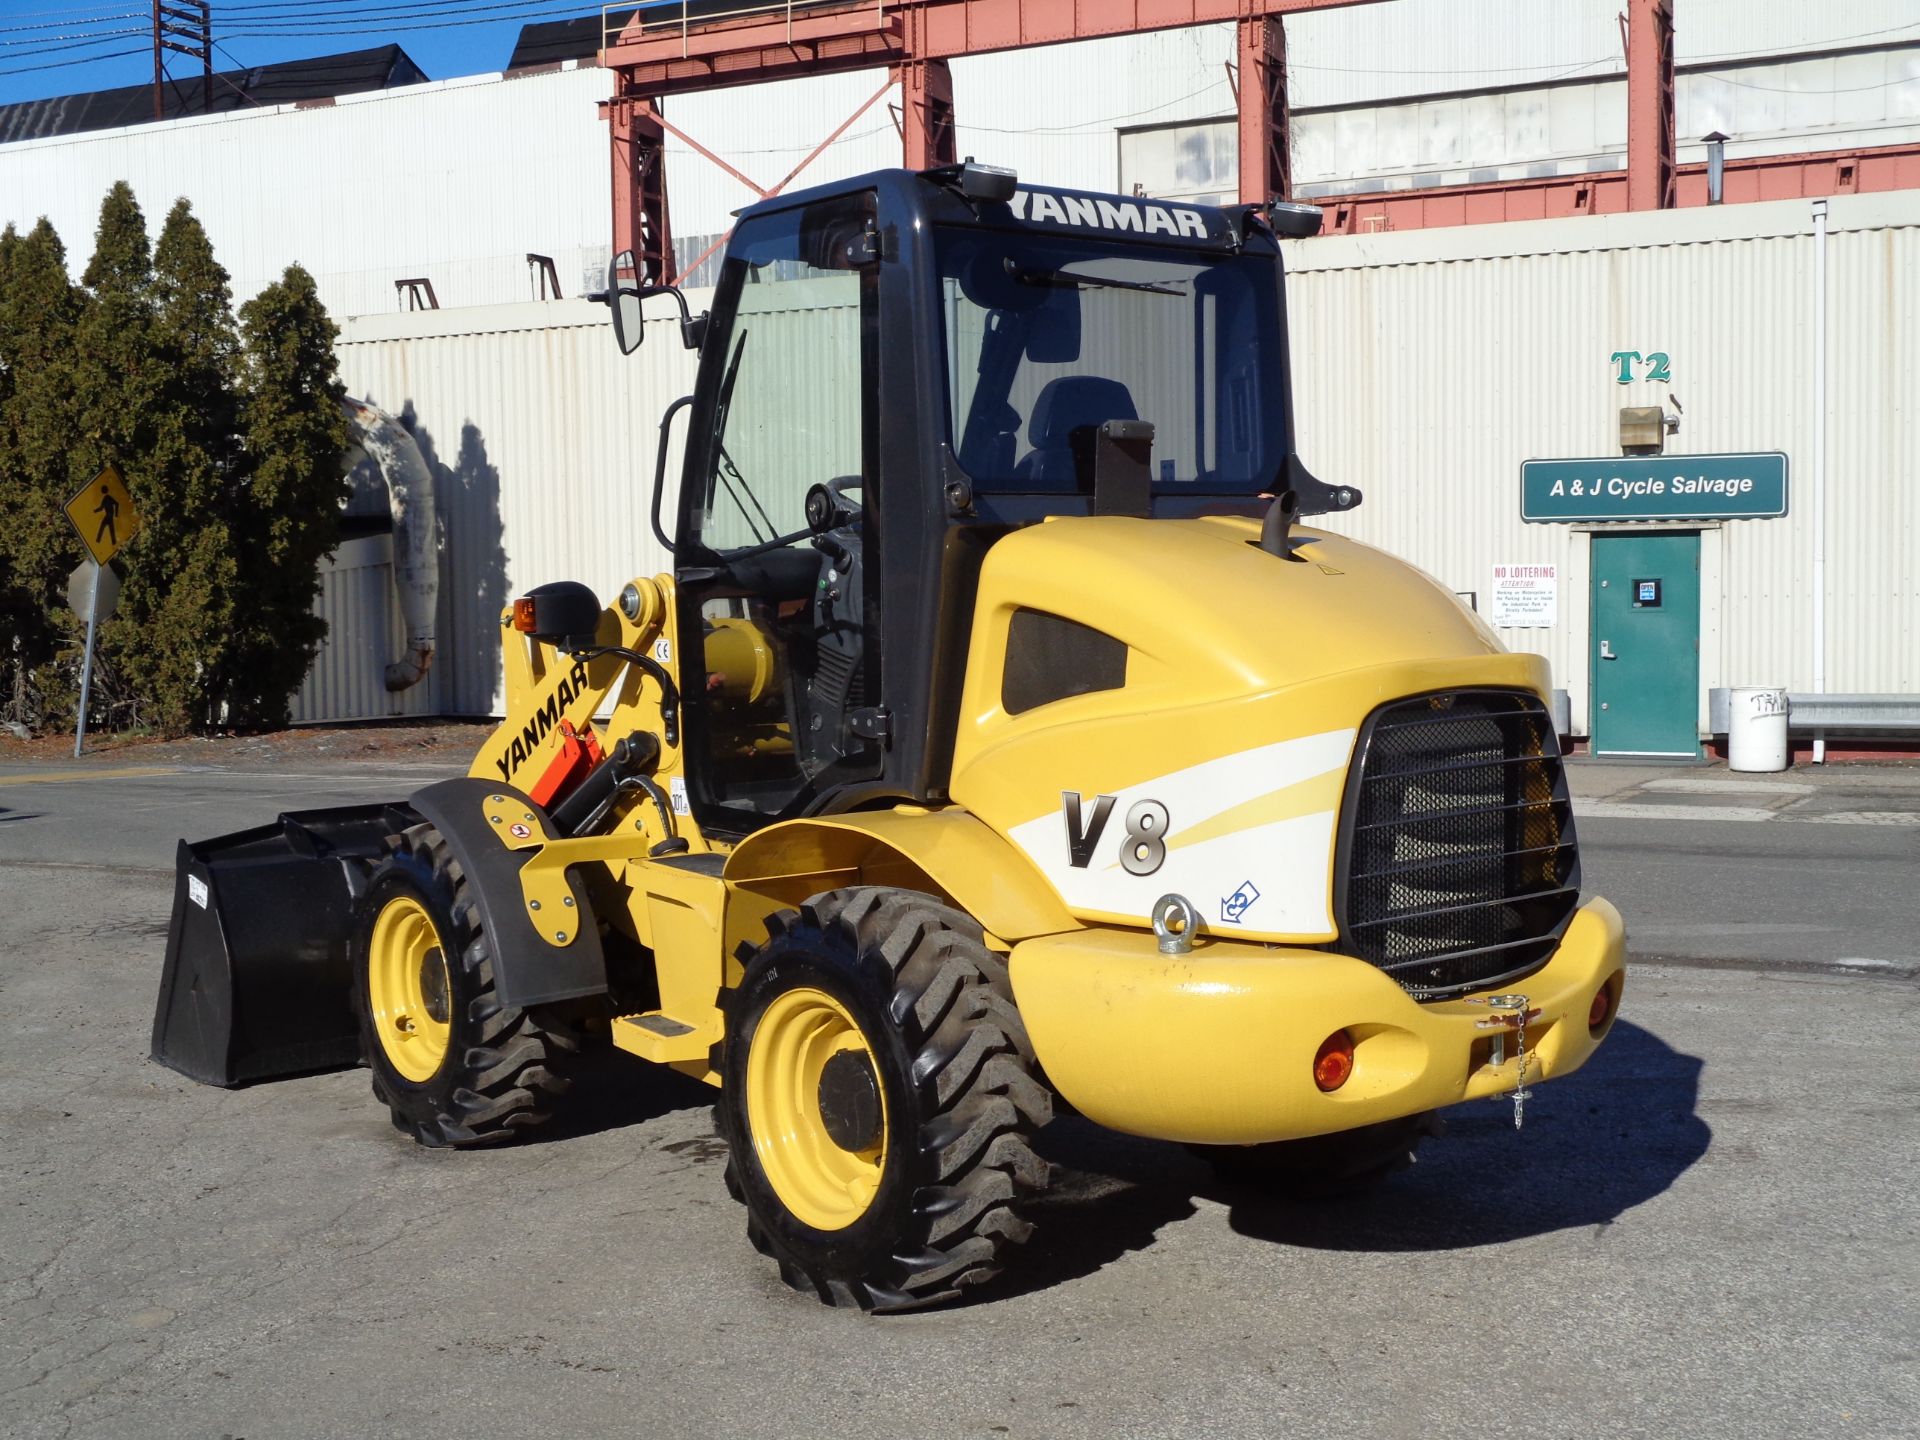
{"x": 949, "y": 851}
{"x": 528, "y": 969}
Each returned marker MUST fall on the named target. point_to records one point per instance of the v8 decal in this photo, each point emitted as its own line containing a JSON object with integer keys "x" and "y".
{"x": 1143, "y": 849}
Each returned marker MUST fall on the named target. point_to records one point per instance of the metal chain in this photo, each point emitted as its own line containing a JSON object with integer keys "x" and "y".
{"x": 1520, "y": 1055}
{"x": 1511, "y": 1013}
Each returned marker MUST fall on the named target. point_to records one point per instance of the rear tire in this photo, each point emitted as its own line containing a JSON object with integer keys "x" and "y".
{"x": 1323, "y": 1167}
{"x": 452, "y": 1064}
{"x": 879, "y": 1101}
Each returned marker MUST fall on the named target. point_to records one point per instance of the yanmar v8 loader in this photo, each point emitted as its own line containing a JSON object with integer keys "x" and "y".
{"x": 997, "y": 736}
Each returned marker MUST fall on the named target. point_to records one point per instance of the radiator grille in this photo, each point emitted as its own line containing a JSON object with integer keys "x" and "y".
{"x": 1458, "y": 865}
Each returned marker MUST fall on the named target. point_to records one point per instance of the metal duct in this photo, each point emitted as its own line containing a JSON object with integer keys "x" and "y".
{"x": 382, "y": 439}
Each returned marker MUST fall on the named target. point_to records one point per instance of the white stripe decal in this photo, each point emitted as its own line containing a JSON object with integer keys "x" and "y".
{"x": 1270, "y": 878}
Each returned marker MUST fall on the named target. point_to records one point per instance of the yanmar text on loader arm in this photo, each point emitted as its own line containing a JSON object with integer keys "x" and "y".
{"x": 997, "y": 736}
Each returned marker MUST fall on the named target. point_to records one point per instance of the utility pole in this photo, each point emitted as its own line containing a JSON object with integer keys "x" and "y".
{"x": 186, "y": 27}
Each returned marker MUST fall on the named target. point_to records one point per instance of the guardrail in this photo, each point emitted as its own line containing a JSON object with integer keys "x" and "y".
{"x": 1828, "y": 712}
{"x": 666, "y": 18}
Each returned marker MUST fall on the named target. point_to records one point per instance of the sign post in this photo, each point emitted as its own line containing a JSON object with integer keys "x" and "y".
{"x": 106, "y": 497}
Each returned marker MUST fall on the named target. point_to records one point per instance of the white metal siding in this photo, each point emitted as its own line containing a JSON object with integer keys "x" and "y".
{"x": 364, "y": 632}
{"x": 456, "y": 181}
{"x": 1426, "y": 372}
{"x": 542, "y": 438}
{"x": 459, "y": 180}
{"x": 1428, "y": 365}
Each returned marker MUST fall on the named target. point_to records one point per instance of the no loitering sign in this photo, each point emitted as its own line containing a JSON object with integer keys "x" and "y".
{"x": 1524, "y": 596}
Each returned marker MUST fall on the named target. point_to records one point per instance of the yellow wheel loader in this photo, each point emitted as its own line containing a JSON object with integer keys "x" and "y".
{"x": 1000, "y": 735}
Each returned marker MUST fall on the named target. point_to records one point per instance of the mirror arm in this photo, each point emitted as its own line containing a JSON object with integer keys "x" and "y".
{"x": 660, "y": 467}
{"x": 693, "y": 329}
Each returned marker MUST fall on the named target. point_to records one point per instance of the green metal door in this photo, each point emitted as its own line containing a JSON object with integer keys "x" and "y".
{"x": 1646, "y": 644}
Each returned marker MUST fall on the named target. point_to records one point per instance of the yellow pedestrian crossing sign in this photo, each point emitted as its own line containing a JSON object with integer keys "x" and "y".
{"x": 104, "y": 516}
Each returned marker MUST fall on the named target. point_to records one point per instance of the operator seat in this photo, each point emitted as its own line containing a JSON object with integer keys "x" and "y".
{"x": 1073, "y": 402}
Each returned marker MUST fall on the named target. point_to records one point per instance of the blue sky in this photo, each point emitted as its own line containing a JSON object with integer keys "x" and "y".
{"x": 444, "y": 37}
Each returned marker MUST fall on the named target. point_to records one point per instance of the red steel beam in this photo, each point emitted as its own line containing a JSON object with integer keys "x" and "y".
{"x": 1650, "y": 123}
{"x": 664, "y": 58}
{"x": 926, "y": 118}
{"x": 1766, "y": 177}
{"x": 640, "y": 222}
{"x": 1266, "y": 147}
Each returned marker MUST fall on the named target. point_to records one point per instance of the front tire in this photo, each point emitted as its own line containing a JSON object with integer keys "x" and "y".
{"x": 879, "y": 1101}
{"x": 452, "y": 1064}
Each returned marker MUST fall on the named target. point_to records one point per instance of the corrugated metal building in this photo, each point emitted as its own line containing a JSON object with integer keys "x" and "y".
{"x": 1428, "y": 366}
{"x": 460, "y": 180}
{"x": 530, "y": 420}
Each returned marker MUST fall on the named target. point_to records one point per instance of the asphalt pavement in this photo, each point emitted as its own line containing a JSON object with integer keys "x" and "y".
{"x": 1711, "y": 1230}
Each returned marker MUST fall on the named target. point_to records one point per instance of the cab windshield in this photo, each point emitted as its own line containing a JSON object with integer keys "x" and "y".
{"x": 1049, "y": 338}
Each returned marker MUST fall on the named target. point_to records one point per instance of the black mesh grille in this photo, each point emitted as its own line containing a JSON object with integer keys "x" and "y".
{"x": 1458, "y": 864}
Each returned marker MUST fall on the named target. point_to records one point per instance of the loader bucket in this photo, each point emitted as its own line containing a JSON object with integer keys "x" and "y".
{"x": 256, "y": 980}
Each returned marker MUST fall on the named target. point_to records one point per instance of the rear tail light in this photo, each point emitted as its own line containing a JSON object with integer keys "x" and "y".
{"x": 1334, "y": 1062}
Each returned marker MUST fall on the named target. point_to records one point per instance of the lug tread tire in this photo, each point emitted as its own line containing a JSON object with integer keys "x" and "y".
{"x": 514, "y": 1062}
{"x": 979, "y": 1103}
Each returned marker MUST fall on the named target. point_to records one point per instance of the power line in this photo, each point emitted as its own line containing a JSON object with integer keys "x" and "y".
{"x": 58, "y": 24}
{"x": 105, "y": 37}
{"x": 83, "y": 60}
{"x": 1802, "y": 90}
{"x": 407, "y": 18}
{"x": 71, "y": 10}
{"x": 307, "y": 11}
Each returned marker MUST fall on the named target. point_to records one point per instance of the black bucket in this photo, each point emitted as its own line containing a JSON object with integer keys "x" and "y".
{"x": 256, "y": 982}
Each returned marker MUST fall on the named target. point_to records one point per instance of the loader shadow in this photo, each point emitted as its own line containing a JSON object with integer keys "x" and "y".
{"x": 1596, "y": 1144}
{"x": 1110, "y": 1196}
{"x": 1608, "y": 1138}
{"x": 6, "y": 815}
{"x": 613, "y": 1090}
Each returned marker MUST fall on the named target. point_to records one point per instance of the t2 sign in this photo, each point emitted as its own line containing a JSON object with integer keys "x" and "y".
{"x": 1657, "y": 363}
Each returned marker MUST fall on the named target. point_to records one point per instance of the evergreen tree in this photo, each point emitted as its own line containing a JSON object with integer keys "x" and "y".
{"x": 288, "y": 519}
{"x": 168, "y": 642}
{"x": 230, "y": 439}
{"x": 39, "y": 430}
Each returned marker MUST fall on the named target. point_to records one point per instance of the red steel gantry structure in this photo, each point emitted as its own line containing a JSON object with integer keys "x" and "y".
{"x": 915, "y": 39}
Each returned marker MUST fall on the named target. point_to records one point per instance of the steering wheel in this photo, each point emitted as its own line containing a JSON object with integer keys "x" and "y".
{"x": 827, "y": 508}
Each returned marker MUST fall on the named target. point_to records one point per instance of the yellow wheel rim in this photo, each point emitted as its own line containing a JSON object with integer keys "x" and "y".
{"x": 821, "y": 1182}
{"x": 408, "y": 989}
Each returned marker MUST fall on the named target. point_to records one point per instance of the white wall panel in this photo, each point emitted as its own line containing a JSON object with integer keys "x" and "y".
{"x": 364, "y": 632}
{"x": 1429, "y": 365}
{"x": 542, "y": 438}
{"x": 456, "y": 181}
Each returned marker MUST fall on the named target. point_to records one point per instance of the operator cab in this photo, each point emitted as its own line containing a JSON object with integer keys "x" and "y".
{"x": 899, "y": 369}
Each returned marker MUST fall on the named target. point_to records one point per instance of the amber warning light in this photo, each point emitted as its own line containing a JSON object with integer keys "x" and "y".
{"x": 523, "y": 620}
{"x": 1334, "y": 1063}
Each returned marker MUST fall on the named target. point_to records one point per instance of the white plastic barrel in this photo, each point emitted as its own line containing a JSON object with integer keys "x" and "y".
{"x": 1757, "y": 729}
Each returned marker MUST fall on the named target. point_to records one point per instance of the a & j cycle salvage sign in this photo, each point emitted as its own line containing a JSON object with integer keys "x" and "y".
{"x": 1655, "y": 487}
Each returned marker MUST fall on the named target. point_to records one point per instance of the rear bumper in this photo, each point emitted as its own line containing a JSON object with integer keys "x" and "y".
{"x": 1217, "y": 1046}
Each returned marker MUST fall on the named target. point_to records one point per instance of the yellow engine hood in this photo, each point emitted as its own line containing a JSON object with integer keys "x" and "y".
{"x": 1247, "y": 680}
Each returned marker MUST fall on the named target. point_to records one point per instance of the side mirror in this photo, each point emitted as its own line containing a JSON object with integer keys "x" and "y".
{"x": 629, "y": 329}
{"x": 625, "y": 295}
